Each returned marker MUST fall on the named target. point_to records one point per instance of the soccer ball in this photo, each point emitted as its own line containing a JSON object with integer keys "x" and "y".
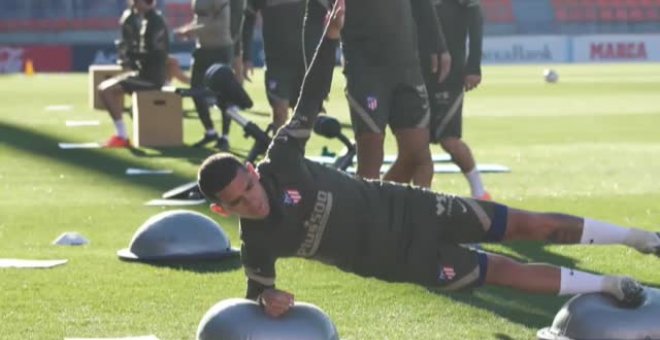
{"x": 550, "y": 75}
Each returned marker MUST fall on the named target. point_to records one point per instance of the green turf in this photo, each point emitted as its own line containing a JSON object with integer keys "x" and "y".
{"x": 588, "y": 145}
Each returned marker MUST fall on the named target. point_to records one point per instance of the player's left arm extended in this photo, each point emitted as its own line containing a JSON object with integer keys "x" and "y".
{"x": 475, "y": 34}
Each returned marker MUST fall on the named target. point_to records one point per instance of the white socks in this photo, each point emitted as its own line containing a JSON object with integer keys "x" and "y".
{"x": 577, "y": 282}
{"x": 211, "y": 132}
{"x": 596, "y": 232}
{"x": 476, "y": 186}
{"x": 121, "y": 128}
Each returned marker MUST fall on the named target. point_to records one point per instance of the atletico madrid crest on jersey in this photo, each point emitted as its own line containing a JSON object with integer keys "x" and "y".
{"x": 291, "y": 197}
{"x": 372, "y": 103}
{"x": 447, "y": 273}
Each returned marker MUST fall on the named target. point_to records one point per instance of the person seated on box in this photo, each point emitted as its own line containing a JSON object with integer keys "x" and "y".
{"x": 151, "y": 73}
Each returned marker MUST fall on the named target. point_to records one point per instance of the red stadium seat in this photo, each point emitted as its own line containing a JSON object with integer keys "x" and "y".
{"x": 498, "y": 11}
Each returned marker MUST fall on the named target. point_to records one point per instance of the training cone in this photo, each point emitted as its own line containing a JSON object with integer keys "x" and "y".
{"x": 29, "y": 67}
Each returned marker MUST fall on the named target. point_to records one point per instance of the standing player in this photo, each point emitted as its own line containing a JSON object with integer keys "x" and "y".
{"x": 291, "y": 206}
{"x": 216, "y": 28}
{"x": 459, "y": 19}
{"x": 282, "y": 36}
{"x": 151, "y": 74}
{"x": 384, "y": 85}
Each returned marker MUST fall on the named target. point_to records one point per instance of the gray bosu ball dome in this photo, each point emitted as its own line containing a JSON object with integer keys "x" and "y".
{"x": 178, "y": 235}
{"x": 597, "y": 316}
{"x": 241, "y": 319}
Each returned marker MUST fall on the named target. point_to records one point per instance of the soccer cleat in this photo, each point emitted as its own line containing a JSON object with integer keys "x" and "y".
{"x": 222, "y": 144}
{"x": 629, "y": 292}
{"x": 117, "y": 142}
{"x": 208, "y": 138}
{"x": 651, "y": 246}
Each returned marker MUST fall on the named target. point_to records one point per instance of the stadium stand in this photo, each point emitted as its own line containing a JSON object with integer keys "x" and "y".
{"x": 72, "y": 19}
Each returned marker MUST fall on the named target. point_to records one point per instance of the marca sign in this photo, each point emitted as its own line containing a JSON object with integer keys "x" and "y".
{"x": 617, "y": 48}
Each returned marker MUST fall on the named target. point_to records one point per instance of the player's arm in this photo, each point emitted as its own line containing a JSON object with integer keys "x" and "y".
{"x": 475, "y": 48}
{"x": 475, "y": 34}
{"x": 431, "y": 36}
{"x": 259, "y": 268}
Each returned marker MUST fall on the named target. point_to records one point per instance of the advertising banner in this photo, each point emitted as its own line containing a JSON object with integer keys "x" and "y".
{"x": 44, "y": 58}
{"x": 525, "y": 49}
{"x": 616, "y": 48}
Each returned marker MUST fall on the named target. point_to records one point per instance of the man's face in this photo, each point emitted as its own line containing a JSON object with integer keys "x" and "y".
{"x": 245, "y": 196}
{"x": 142, "y": 6}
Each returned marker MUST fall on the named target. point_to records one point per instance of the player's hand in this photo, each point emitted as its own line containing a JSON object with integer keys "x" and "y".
{"x": 472, "y": 81}
{"x": 335, "y": 20}
{"x": 248, "y": 70}
{"x": 276, "y": 302}
{"x": 184, "y": 32}
{"x": 445, "y": 66}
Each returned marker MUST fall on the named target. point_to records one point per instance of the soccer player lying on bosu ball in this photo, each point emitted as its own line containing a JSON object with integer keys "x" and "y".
{"x": 290, "y": 206}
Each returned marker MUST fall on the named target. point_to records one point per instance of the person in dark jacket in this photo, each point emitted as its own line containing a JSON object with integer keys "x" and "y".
{"x": 290, "y": 206}
{"x": 151, "y": 74}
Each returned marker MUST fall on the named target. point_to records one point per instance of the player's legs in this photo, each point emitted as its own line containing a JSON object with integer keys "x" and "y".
{"x": 446, "y": 129}
{"x": 200, "y": 64}
{"x": 369, "y": 154}
{"x": 409, "y": 120}
{"x": 280, "y": 112}
{"x": 279, "y": 80}
{"x": 368, "y": 96}
{"x": 568, "y": 229}
{"x": 539, "y": 278}
{"x": 174, "y": 71}
{"x": 111, "y": 92}
{"x": 413, "y": 160}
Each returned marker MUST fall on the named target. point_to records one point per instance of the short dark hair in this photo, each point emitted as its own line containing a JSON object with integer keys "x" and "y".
{"x": 216, "y": 172}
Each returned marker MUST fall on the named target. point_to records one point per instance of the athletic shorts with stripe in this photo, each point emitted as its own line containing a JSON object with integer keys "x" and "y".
{"x": 465, "y": 220}
{"x": 381, "y": 96}
{"x": 130, "y": 82}
{"x": 445, "y": 101}
{"x": 283, "y": 82}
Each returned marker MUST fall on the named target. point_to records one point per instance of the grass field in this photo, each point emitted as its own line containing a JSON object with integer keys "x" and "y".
{"x": 589, "y": 145}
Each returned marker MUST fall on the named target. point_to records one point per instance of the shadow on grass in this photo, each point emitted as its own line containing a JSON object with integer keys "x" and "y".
{"x": 198, "y": 266}
{"x": 208, "y": 266}
{"x": 102, "y": 161}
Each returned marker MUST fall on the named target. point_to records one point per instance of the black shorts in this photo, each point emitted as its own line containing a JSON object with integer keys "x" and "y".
{"x": 130, "y": 82}
{"x": 379, "y": 96}
{"x": 445, "y": 101}
{"x": 460, "y": 220}
{"x": 203, "y": 58}
{"x": 283, "y": 82}
{"x": 446, "y": 114}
